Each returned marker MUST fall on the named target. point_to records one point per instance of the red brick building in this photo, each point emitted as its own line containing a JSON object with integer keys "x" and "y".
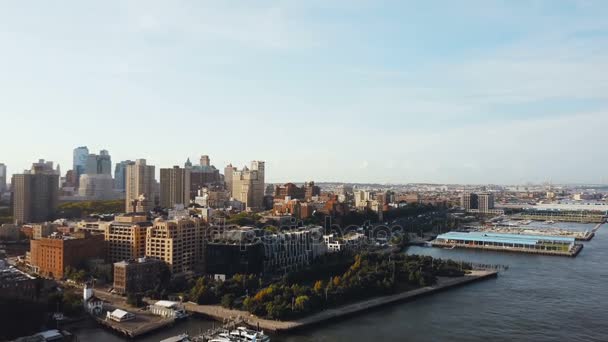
{"x": 50, "y": 256}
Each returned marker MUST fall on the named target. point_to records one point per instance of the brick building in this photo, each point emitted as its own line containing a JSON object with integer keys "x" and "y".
{"x": 138, "y": 276}
{"x": 50, "y": 256}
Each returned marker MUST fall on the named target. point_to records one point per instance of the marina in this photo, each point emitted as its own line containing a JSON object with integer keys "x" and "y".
{"x": 502, "y": 242}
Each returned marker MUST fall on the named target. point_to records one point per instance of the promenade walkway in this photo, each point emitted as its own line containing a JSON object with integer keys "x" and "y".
{"x": 221, "y": 314}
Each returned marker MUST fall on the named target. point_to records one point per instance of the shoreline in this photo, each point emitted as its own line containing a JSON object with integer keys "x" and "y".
{"x": 219, "y": 313}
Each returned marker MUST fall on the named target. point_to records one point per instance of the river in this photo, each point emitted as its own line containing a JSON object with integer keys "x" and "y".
{"x": 539, "y": 298}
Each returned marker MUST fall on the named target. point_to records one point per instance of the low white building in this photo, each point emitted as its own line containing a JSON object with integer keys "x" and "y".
{"x": 119, "y": 315}
{"x": 168, "y": 309}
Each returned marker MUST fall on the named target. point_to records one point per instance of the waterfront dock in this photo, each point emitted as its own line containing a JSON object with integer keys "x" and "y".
{"x": 143, "y": 323}
{"x": 577, "y": 235}
{"x": 444, "y": 283}
{"x": 501, "y": 242}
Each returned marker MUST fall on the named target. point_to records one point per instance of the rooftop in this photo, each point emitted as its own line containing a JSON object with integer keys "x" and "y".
{"x": 505, "y": 238}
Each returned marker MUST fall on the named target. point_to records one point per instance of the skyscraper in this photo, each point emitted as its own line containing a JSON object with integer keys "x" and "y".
{"x": 96, "y": 183}
{"x": 139, "y": 186}
{"x": 228, "y": 172}
{"x": 2, "y": 178}
{"x": 120, "y": 174}
{"x": 248, "y": 185}
{"x": 80, "y": 157}
{"x": 174, "y": 186}
{"x": 98, "y": 164}
{"x": 36, "y": 193}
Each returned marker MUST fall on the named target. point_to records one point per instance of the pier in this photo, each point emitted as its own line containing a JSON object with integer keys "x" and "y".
{"x": 525, "y": 230}
{"x": 330, "y": 315}
{"x": 501, "y": 242}
{"x": 144, "y": 322}
{"x": 578, "y": 216}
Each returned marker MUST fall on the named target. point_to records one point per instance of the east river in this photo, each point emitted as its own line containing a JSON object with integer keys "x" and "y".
{"x": 539, "y": 298}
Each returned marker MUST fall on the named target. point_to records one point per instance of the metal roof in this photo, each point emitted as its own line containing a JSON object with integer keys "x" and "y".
{"x": 505, "y": 238}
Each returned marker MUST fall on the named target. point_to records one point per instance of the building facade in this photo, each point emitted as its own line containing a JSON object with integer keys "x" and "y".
{"x": 50, "y": 256}
{"x": 174, "y": 187}
{"x": 469, "y": 201}
{"x": 486, "y": 202}
{"x": 125, "y": 237}
{"x": 140, "y": 184}
{"x": 179, "y": 243}
{"x": 35, "y": 194}
{"x": 2, "y": 178}
{"x": 120, "y": 174}
{"x": 138, "y": 276}
{"x": 79, "y": 163}
{"x": 248, "y": 185}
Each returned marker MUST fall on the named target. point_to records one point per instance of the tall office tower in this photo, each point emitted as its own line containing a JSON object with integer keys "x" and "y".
{"x": 80, "y": 157}
{"x": 178, "y": 242}
{"x": 469, "y": 201}
{"x": 174, "y": 186}
{"x": 486, "y": 201}
{"x": 139, "y": 187}
{"x": 2, "y": 178}
{"x": 96, "y": 183}
{"x": 36, "y": 193}
{"x": 99, "y": 164}
{"x": 120, "y": 174}
{"x": 205, "y": 161}
{"x": 248, "y": 186}
{"x": 228, "y": 173}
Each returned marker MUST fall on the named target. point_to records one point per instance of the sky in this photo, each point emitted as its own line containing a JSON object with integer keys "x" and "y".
{"x": 471, "y": 91}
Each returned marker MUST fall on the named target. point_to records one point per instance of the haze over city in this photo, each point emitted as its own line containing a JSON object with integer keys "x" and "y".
{"x": 352, "y": 91}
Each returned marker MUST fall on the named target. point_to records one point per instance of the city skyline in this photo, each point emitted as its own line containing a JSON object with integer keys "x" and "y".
{"x": 350, "y": 91}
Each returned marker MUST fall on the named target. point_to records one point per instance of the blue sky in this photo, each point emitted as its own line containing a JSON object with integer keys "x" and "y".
{"x": 472, "y": 91}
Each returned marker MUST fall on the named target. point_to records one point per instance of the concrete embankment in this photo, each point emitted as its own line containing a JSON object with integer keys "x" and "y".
{"x": 221, "y": 314}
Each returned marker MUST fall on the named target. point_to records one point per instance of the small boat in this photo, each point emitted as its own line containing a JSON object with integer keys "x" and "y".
{"x": 178, "y": 338}
{"x": 550, "y": 222}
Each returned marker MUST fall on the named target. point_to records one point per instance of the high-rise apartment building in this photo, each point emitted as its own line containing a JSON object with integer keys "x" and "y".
{"x": 228, "y": 171}
{"x": 179, "y": 243}
{"x": 2, "y": 178}
{"x": 126, "y": 237}
{"x": 79, "y": 163}
{"x": 120, "y": 174}
{"x": 174, "y": 187}
{"x": 469, "y": 201}
{"x": 248, "y": 185}
{"x": 35, "y": 193}
{"x": 139, "y": 186}
{"x": 486, "y": 201}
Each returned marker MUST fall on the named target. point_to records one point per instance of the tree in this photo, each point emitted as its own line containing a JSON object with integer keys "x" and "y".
{"x": 227, "y": 300}
{"x": 302, "y": 303}
{"x": 134, "y": 299}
